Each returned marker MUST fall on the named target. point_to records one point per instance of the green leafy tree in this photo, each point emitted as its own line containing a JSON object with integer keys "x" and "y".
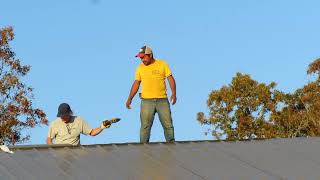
{"x": 242, "y": 109}
{"x": 16, "y": 110}
{"x": 247, "y": 109}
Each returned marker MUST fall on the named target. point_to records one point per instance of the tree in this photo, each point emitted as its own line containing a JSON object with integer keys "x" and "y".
{"x": 300, "y": 115}
{"x": 314, "y": 67}
{"x": 242, "y": 109}
{"x": 247, "y": 109}
{"x": 16, "y": 110}
{"x": 300, "y": 112}
{"x": 291, "y": 120}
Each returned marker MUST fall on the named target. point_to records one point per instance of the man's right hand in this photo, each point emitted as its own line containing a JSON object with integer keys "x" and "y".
{"x": 107, "y": 123}
{"x": 128, "y": 104}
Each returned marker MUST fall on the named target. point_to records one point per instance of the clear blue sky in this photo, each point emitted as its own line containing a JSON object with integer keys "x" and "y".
{"x": 82, "y": 52}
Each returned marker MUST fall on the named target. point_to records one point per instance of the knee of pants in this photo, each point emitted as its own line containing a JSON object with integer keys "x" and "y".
{"x": 146, "y": 120}
{"x": 145, "y": 126}
{"x": 167, "y": 125}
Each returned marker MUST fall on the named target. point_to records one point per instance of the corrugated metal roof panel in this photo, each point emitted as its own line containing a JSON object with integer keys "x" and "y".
{"x": 263, "y": 159}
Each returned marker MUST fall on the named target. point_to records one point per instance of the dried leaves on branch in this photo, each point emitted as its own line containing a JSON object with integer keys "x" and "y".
{"x": 247, "y": 109}
{"x": 16, "y": 109}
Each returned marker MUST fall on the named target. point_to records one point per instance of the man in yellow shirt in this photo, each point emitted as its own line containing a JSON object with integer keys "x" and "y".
{"x": 151, "y": 74}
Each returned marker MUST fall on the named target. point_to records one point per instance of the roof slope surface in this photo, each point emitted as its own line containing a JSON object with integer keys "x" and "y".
{"x": 270, "y": 159}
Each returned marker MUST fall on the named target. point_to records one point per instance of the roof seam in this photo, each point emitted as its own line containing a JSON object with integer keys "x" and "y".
{"x": 234, "y": 156}
{"x": 182, "y": 166}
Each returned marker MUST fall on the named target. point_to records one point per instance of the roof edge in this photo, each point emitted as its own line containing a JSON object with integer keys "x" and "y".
{"x": 45, "y": 146}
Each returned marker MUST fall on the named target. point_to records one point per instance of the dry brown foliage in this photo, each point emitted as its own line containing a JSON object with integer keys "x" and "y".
{"x": 16, "y": 110}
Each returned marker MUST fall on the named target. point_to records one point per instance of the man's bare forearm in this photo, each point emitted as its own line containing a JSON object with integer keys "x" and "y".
{"x": 96, "y": 131}
{"x": 172, "y": 83}
{"x": 134, "y": 89}
{"x": 49, "y": 141}
{"x": 133, "y": 92}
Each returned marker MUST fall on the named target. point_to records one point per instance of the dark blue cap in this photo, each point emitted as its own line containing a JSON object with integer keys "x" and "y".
{"x": 64, "y": 109}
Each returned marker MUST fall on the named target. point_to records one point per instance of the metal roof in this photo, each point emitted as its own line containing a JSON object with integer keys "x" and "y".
{"x": 259, "y": 159}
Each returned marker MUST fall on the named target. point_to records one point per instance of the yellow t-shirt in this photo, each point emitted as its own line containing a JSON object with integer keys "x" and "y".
{"x": 152, "y": 77}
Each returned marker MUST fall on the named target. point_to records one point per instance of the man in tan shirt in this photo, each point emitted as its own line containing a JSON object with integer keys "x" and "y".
{"x": 66, "y": 129}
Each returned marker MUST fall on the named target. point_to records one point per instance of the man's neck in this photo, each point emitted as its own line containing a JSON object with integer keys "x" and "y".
{"x": 66, "y": 121}
{"x": 152, "y": 61}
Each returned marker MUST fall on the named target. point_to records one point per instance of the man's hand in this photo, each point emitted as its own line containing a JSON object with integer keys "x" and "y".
{"x": 173, "y": 99}
{"x": 172, "y": 84}
{"x": 128, "y": 104}
{"x": 107, "y": 123}
{"x": 133, "y": 92}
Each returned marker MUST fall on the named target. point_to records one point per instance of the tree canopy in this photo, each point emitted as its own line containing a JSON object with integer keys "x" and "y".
{"x": 16, "y": 108}
{"x": 247, "y": 109}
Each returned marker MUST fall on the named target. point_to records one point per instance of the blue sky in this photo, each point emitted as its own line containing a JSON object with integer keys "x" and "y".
{"x": 82, "y": 52}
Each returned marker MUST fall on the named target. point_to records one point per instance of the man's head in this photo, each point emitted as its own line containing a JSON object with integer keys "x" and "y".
{"x": 64, "y": 112}
{"x": 146, "y": 55}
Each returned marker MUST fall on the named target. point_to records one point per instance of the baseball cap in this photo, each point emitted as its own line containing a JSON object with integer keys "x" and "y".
{"x": 64, "y": 109}
{"x": 143, "y": 51}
